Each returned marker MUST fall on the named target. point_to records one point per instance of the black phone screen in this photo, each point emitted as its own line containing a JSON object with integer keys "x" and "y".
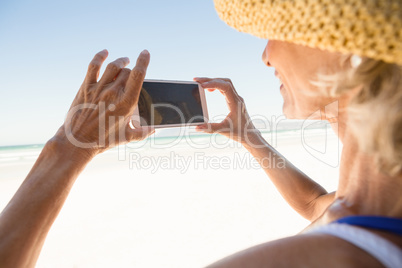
{"x": 162, "y": 103}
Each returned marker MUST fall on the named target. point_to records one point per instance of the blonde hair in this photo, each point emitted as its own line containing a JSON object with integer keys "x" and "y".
{"x": 375, "y": 113}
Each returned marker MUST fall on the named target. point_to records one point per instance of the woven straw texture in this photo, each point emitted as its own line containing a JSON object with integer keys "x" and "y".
{"x": 369, "y": 28}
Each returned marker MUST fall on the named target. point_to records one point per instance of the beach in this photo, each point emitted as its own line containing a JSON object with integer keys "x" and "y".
{"x": 167, "y": 202}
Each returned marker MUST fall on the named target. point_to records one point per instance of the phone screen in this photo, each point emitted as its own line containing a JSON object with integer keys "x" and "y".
{"x": 163, "y": 103}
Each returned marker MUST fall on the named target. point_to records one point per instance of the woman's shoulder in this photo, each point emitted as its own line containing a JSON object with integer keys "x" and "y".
{"x": 331, "y": 241}
{"x": 382, "y": 241}
{"x": 312, "y": 249}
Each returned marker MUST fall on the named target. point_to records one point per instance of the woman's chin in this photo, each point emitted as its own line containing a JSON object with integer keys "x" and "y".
{"x": 291, "y": 113}
{"x": 288, "y": 113}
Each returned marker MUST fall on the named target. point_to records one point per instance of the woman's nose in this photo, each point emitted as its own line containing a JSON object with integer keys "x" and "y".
{"x": 265, "y": 58}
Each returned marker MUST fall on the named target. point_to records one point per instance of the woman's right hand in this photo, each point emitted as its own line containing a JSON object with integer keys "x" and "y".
{"x": 99, "y": 117}
{"x": 237, "y": 125}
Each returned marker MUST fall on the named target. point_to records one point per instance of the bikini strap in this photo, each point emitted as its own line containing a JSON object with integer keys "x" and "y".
{"x": 388, "y": 224}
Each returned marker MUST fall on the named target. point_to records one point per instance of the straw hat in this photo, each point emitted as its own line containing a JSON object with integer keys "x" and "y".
{"x": 369, "y": 28}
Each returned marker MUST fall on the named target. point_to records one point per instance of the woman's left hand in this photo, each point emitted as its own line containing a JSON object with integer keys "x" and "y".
{"x": 237, "y": 125}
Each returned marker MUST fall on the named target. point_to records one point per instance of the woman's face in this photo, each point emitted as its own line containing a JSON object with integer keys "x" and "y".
{"x": 296, "y": 66}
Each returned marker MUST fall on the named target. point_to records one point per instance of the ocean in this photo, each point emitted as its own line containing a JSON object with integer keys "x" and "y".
{"x": 187, "y": 140}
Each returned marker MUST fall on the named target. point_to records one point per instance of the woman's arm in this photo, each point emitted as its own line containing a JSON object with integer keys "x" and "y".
{"x": 27, "y": 219}
{"x": 303, "y": 194}
{"x": 306, "y": 196}
{"x": 98, "y": 120}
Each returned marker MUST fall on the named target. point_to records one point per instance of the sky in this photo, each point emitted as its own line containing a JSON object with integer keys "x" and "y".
{"x": 45, "y": 48}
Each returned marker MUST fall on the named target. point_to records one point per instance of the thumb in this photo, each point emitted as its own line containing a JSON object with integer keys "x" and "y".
{"x": 211, "y": 127}
{"x": 138, "y": 134}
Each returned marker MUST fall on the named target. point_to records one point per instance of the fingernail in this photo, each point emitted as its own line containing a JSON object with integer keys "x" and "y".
{"x": 145, "y": 52}
{"x": 105, "y": 50}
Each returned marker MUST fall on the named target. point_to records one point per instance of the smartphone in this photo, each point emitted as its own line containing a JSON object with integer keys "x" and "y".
{"x": 165, "y": 104}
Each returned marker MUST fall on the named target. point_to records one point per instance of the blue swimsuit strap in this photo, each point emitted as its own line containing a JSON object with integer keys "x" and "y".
{"x": 388, "y": 224}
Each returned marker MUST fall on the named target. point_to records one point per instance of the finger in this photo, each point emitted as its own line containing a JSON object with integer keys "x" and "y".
{"x": 227, "y": 89}
{"x": 230, "y": 82}
{"x": 207, "y": 79}
{"x": 113, "y": 69}
{"x": 136, "y": 78}
{"x": 94, "y": 66}
{"x": 122, "y": 78}
{"x": 202, "y": 79}
{"x": 138, "y": 134}
{"x": 211, "y": 127}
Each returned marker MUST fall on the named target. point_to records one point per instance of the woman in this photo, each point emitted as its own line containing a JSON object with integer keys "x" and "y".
{"x": 347, "y": 53}
{"x": 323, "y": 55}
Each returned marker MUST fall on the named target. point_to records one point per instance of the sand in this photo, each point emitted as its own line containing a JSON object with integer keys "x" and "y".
{"x": 128, "y": 213}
